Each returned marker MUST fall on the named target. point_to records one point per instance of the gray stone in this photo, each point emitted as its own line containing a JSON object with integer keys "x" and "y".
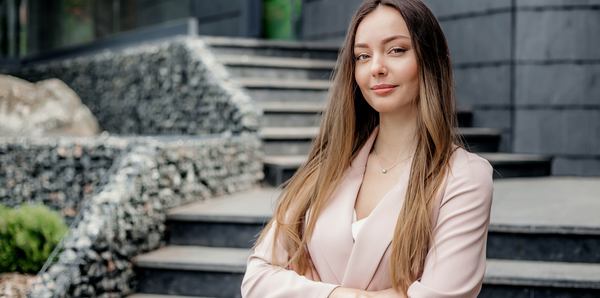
{"x": 489, "y": 86}
{"x": 69, "y": 256}
{"x": 546, "y": 3}
{"x": 558, "y": 132}
{"x": 493, "y": 118}
{"x": 563, "y": 34}
{"x": 562, "y": 84}
{"x": 83, "y": 243}
{"x": 327, "y": 19}
{"x": 444, "y": 8}
{"x": 479, "y": 39}
{"x": 48, "y": 107}
{"x": 580, "y": 166}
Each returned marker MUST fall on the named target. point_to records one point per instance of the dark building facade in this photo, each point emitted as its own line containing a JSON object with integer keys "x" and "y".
{"x": 32, "y": 27}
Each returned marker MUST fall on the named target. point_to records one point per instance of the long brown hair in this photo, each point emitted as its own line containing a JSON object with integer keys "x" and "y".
{"x": 345, "y": 127}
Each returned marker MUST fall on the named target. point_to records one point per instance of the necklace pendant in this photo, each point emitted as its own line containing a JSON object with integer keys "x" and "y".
{"x": 384, "y": 171}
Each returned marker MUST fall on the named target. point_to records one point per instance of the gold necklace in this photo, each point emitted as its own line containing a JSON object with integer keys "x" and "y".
{"x": 384, "y": 170}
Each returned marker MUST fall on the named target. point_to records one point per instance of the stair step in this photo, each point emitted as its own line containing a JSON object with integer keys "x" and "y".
{"x": 311, "y": 132}
{"x": 282, "y": 106}
{"x": 505, "y": 278}
{"x": 551, "y": 219}
{"x": 280, "y": 168}
{"x": 289, "y": 133}
{"x": 513, "y": 165}
{"x": 550, "y": 274}
{"x": 192, "y": 271}
{"x": 287, "y": 140}
{"x": 290, "y": 90}
{"x": 291, "y": 114}
{"x": 570, "y": 203}
{"x": 244, "y": 66}
{"x": 529, "y": 220}
{"x": 231, "y": 221}
{"x": 195, "y": 270}
{"x": 276, "y": 62}
{"x": 479, "y": 139}
{"x": 254, "y": 83}
{"x": 249, "y": 205}
{"x": 197, "y": 258}
{"x": 271, "y": 48}
{"x": 301, "y": 114}
{"x": 297, "y": 140}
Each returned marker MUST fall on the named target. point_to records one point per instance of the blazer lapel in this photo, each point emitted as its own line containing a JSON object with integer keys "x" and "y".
{"x": 331, "y": 244}
{"x": 375, "y": 236}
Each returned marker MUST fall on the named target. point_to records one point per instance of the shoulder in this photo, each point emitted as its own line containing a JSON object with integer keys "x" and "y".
{"x": 469, "y": 171}
{"x": 465, "y": 163}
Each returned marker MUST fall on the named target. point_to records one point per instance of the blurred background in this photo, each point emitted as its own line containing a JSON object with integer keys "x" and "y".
{"x": 500, "y": 49}
{"x": 159, "y": 132}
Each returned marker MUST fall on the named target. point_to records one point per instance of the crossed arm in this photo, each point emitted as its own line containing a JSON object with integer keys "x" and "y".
{"x": 264, "y": 279}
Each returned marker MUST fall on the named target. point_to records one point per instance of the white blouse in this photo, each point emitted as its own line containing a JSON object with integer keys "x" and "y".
{"x": 356, "y": 225}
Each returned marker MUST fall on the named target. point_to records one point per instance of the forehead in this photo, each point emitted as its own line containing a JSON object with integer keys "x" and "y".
{"x": 380, "y": 23}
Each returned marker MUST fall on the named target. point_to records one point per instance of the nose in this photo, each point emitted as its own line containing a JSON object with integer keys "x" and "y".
{"x": 378, "y": 67}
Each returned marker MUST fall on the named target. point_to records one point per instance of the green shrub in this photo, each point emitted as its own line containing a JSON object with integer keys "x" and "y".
{"x": 28, "y": 235}
{"x": 6, "y": 244}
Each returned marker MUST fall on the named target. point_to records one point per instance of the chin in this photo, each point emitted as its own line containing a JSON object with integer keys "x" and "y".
{"x": 385, "y": 105}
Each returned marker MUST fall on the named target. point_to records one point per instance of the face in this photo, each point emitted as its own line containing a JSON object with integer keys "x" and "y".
{"x": 386, "y": 68}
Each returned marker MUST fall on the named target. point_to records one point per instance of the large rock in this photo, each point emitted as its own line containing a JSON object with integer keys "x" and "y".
{"x": 48, "y": 107}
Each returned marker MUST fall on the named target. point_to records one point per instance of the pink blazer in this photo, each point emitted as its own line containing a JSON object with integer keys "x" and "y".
{"x": 455, "y": 263}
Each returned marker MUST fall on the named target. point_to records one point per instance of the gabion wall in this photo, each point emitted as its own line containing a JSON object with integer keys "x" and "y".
{"x": 115, "y": 190}
{"x": 168, "y": 87}
{"x": 60, "y": 173}
{"x": 126, "y": 215}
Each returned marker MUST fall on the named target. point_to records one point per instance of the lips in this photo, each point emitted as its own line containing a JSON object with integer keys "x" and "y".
{"x": 383, "y": 89}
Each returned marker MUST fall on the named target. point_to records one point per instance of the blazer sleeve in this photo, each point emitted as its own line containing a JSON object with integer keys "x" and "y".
{"x": 455, "y": 264}
{"x": 265, "y": 280}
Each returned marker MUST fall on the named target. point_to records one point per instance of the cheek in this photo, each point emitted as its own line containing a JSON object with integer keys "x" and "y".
{"x": 357, "y": 76}
{"x": 361, "y": 77}
{"x": 408, "y": 70}
{"x": 414, "y": 71}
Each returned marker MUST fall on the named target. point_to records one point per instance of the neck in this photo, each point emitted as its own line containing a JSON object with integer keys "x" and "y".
{"x": 396, "y": 138}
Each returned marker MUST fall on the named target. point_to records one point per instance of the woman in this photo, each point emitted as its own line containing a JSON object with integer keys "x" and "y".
{"x": 388, "y": 203}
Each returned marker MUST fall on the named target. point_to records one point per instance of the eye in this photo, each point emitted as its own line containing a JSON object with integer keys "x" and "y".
{"x": 361, "y": 57}
{"x": 397, "y": 50}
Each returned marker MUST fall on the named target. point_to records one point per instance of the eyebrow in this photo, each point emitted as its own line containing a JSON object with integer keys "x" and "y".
{"x": 384, "y": 41}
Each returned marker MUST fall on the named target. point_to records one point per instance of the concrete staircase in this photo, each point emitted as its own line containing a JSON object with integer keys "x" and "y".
{"x": 538, "y": 246}
{"x": 289, "y": 81}
{"x": 544, "y": 237}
